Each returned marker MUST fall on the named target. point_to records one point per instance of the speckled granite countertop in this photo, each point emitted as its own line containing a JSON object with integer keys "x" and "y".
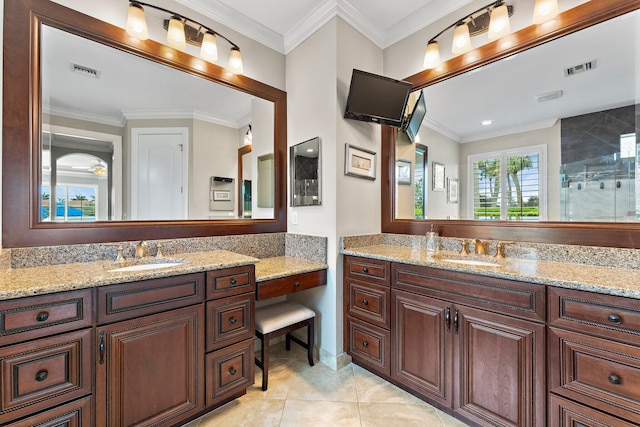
{"x": 21, "y": 282}
{"x": 606, "y": 280}
{"x": 283, "y": 266}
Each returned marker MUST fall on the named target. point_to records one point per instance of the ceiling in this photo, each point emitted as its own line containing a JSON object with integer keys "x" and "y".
{"x": 283, "y": 24}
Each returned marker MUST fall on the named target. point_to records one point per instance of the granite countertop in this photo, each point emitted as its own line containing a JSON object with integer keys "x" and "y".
{"x": 21, "y": 282}
{"x": 283, "y": 266}
{"x": 605, "y": 280}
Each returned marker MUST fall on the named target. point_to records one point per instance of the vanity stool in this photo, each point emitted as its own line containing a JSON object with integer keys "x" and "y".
{"x": 278, "y": 319}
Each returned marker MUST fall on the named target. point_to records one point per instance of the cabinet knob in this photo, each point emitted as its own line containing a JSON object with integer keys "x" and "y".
{"x": 614, "y": 318}
{"x": 296, "y": 284}
{"x": 365, "y": 302}
{"x": 365, "y": 270}
{"x": 233, "y": 281}
{"x": 232, "y": 371}
{"x": 614, "y": 379}
{"x": 365, "y": 344}
{"x": 42, "y": 375}
{"x": 233, "y": 320}
{"x": 42, "y": 316}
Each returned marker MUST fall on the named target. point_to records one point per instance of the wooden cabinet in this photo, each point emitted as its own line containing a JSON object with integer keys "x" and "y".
{"x": 46, "y": 358}
{"x": 290, "y": 284}
{"x": 594, "y": 356}
{"x": 474, "y": 345}
{"x": 566, "y": 413}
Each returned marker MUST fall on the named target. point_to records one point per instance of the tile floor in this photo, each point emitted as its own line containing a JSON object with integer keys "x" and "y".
{"x": 300, "y": 395}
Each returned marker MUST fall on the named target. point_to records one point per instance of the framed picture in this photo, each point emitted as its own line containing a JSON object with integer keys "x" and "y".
{"x": 452, "y": 190}
{"x": 221, "y": 195}
{"x": 359, "y": 162}
{"x": 438, "y": 176}
{"x": 403, "y": 172}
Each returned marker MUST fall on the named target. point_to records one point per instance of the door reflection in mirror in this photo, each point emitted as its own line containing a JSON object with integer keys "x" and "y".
{"x": 305, "y": 172}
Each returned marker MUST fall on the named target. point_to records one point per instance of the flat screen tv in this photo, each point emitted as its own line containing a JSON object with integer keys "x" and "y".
{"x": 414, "y": 121}
{"x": 378, "y": 99}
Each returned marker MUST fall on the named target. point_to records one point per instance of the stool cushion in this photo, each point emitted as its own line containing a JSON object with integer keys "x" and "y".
{"x": 277, "y": 316}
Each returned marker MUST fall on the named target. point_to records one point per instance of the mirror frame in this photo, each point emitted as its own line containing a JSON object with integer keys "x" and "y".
{"x": 622, "y": 235}
{"x": 22, "y": 132}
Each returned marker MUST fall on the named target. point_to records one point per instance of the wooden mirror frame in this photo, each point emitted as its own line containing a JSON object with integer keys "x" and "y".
{"x": 623, "y": 235}
{"x": 21, "y": 135}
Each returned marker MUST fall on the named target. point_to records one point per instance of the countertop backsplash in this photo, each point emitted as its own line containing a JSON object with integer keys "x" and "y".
{"x": 588, "y": 255}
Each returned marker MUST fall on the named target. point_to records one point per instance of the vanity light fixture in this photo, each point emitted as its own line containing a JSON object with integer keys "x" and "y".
{"x": 248, "y": 136}
{"x": 545, "y": 10}
{"x": 182, "y": 30}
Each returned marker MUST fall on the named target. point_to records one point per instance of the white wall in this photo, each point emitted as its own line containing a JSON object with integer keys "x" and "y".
{"x": 445, "y": 151}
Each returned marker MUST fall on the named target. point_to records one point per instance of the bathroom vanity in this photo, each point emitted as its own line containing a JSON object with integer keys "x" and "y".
{"x": 507, "y": 344}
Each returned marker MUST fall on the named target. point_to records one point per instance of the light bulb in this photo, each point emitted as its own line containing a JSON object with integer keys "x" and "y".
{"x": 432, "y": 55}
{"x": 461, "y": 39}
{"x": 209, "y": 49}
{"x": 499, "y": 23}
{"x": 175, "y": 34}
{"x": 136, "y": 22}
{"x": 235, "y": 61}
{"x": 545, "y": 10}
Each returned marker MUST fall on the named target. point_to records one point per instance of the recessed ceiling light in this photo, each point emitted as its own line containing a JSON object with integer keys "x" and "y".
{"x": 486, "y": 122}
{"x": 309, "y": 150}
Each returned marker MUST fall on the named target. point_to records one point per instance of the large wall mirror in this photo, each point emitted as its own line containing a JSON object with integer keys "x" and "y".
{"x": 546, "y": 131}
{"x": 108, "y": 138}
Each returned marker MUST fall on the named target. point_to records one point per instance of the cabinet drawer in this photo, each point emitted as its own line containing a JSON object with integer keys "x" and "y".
{"x": 565, "y": 413}
{"x": 231, "y": 281}
{"x": 368, "y": 302}
{"x": 288, "y": 285}
{"x": 369, "y": 270}
{"x": 73, "y": 414}
{"x": 229, "y": 371}
{"x": 369, "y": 345}
{"x": 129, "y": 300}
{"x": 604, "y": 315}
{"x": 229, "y": 320}
{"x": 598, "y": 372}
{"x": 34, "y": 317}
{"x": 520, "y": 299}
{"x": 43, "y": 373}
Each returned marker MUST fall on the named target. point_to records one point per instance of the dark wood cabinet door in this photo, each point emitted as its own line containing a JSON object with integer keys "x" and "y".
{"x": 150, "y": 369}
{"x": 565, "y": 413}
{"x": 499, "y": 368}
{"x": 422, "y": 353}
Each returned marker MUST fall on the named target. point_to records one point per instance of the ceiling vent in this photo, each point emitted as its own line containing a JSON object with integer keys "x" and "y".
{"x": 581, "y": 68}
{"x": 85, "y": 71}
{"x": 549, "y": 96}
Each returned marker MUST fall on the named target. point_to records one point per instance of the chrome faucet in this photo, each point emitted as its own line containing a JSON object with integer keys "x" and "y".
{"x": 479, "y": 247}
{"x": 141, "y": 249}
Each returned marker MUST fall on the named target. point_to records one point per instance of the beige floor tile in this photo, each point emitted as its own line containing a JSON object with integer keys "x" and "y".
{"x": 449, "y": 421}
{"x": 320, "y": 382}
{"x": 245, "y": 412}
{"x": 280, "y": 375}
{"x": 398, "y": 414}
{"x": 372, "y": 388}
{"x": 303, "y": 413}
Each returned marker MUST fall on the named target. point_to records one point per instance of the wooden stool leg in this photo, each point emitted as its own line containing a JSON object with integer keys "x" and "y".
{"x": 310, "y": 337}
{"x": 287, "y": 342}
{"x": 265, "y": 361}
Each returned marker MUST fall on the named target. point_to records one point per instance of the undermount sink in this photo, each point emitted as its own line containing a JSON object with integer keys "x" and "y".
{"x": 149, "y": 266}
{"x": 472, "y": 262}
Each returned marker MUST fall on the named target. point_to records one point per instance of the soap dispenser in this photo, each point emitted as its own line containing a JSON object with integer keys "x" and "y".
{"x": 432, "y": 242}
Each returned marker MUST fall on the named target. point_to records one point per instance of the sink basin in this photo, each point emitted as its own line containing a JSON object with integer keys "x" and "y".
{"x": 148, "y": 266}
{"x": 472, "y": 262}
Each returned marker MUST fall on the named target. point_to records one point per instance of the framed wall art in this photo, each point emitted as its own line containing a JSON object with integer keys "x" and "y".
{"x": 403, "y": 172}
{"x": 438, "y": 176}
{"x": 359, "y": 162}
{"x": 452, "y": 190}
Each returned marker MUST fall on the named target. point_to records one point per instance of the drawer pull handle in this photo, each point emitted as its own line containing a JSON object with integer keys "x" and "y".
{"x": 614, "y": 379}
{"x": 447, "y": 318}
{"x": 614, "y": 318}
{"x": 365, "y": 344}
{"x": 42, "y": 316}
{"x": 455, "y": 321}
{"x": 233, "y": 320}
{"x": 233, "y": 281}
{"x": 296, "y": 284}
{"x": 365, "y": 302}
{"x": 232, "y": 371}
{"x": 42, "y": 375}
{"x": 101, "y": 348}
{"x": 365, "y": 270}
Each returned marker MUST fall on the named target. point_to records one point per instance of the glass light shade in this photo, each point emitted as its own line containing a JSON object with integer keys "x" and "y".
{"x": 461, "y": 40}
{"x": 209, "y": 48}
{"x": 432, "y": 55}
{"x": 235, "y": 61}
{"x": 545, "y": 10}
{"x": 136, "y": 22}
{"x": 499, "y": 23}
{"x": 248, "y": 137}
{"x": 175, "y": 34}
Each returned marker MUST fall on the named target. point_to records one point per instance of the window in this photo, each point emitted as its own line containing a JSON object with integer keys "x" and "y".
{"x": 508, "y": 185}
{"x": 419, "y": 179}
{"x": 73, "y": 203}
